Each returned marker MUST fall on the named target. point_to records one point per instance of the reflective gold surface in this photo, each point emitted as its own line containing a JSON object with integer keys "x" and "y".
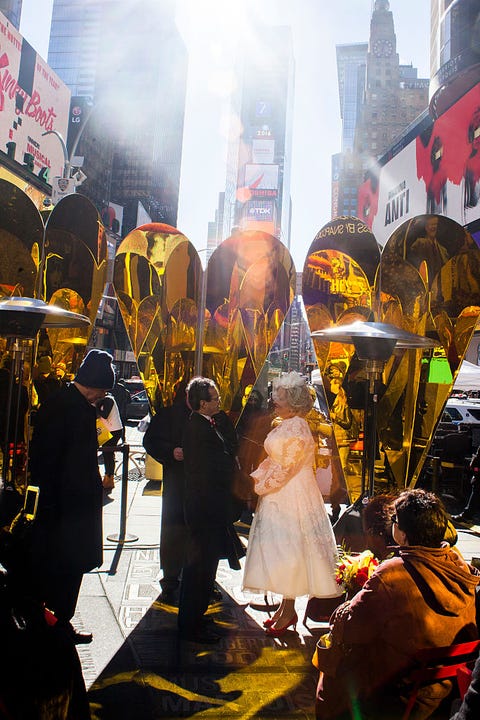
{"x": 338, "y": 288}
{"x": 157, "y": 280}
{"x": 247, "y": 290}
{"x": 430, "y": 281}
{"x": 21, "y": 239}
{"x": 74, "y": 273}
{"x": 63, "y": 265}
{"x": 427, "y": 282}
{"x": 250, "y": 286}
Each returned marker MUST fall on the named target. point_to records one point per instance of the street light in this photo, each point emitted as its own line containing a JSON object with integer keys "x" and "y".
{"x": 63, "y": 185}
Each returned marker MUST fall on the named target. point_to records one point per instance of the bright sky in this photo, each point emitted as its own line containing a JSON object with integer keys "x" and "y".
{"x": 211, "y": 29}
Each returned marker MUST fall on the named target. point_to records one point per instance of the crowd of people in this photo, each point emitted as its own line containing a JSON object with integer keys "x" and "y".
{"x": 422, "y": 594}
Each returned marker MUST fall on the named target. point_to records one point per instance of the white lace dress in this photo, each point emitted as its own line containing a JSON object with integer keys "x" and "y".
{"x": 291, "y": 548}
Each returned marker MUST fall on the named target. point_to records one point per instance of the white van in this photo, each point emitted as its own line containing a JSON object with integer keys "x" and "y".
{"x": 462, "y": 411}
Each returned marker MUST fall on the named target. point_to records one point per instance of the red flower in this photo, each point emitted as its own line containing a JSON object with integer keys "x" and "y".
{"x": 362, "y": 576}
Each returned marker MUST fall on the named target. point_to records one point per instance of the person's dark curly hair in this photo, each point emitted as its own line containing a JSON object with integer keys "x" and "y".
{"x": 199, "y": 389}
{"x": 377, "y": 526}
{"x": 421, "y": 515}
{"x": 376, "y": 515}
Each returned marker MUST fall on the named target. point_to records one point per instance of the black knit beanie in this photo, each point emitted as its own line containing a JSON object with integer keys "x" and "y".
{"x": 96, "y": 370}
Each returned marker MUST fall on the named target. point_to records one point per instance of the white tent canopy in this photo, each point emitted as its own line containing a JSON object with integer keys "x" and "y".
{"x": 468, "y": 377}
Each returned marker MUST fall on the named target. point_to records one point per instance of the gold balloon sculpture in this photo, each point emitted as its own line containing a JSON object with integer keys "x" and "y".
{"x": 236, "y": 306}
{"x": 61, "y": 263}
{"x": 425, "y": 282}
{"x": 223, "y": 321}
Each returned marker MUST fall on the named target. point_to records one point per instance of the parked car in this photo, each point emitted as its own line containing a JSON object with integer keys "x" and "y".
{"x": 138, "y": 406}
{"x": 459, "y": 410}
{"x": 134, "y": 385}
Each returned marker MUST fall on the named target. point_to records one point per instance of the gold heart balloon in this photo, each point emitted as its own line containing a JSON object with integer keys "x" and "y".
{"x": 21, "y": 238}
{"x": 429, "y": 282}
{"x": 425, "y": 283}
{"x": 26, "y": 270}
{"x": 236, "y": 307}
{"x": 250, "y": 286}
{"x": 157, "y": 280}
{"x": 337, "y": 287}
{"x": 74, "y": 272}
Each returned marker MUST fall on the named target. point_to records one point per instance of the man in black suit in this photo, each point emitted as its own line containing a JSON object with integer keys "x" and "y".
{"x": 163, "y": 440}
{"x": 209, "y": 450}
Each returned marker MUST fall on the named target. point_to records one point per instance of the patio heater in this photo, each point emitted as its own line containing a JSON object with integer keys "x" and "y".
{"x": 20, "y": 320}
{"x": 374, "y": 344}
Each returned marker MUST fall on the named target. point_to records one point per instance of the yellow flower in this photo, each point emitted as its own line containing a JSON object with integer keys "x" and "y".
{"x": 353, "y": 570}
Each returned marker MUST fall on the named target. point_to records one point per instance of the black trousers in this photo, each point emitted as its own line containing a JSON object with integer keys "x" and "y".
{"x": 173, "y": 531}
{"x": 109, "y": 457}
{"x": 198, "y": 579}
{"x": 60, "y": 593}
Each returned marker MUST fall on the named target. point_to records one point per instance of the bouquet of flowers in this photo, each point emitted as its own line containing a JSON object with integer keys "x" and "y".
{"x": 353, "y": 571}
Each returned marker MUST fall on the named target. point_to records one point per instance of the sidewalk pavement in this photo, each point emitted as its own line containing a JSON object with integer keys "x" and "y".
{"x": 135, "y": 667}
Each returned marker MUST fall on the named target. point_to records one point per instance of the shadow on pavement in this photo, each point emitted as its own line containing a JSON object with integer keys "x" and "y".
{"x": 246, "y": 675}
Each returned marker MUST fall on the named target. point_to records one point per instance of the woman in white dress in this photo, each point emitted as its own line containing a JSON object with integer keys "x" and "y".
{"x": 291, "y": 550}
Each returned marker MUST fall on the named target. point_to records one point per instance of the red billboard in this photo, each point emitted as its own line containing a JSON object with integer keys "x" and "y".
{"x": 438, "y": 171}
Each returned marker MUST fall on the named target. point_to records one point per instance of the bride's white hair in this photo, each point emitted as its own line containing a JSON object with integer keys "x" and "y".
{"x": 294, "y": 389}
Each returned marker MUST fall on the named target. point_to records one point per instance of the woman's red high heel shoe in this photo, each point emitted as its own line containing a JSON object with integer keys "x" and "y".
{"x": 268, "y": 622}
{"x": 278, "y": 631}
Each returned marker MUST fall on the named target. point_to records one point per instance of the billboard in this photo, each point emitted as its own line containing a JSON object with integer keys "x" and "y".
{"x": 260, "y": 210}
{"x": 261, "y": 177}
{"x": 112, "y": 217}
{"x": 336, "y": 160}
{"x": 33, "y": 100}
{"x": 263, "y": 150}
{"x": 259, "y": 215}
{"x": 437, "y": 172}
{"x": 80, "y": 109}
{"x": 143, "y": 218}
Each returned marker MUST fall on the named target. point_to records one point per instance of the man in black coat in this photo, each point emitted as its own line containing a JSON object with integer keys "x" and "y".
{"x": 163, "y": 440}
{"x": 67, "y": 535}
{"x": 209, "y": 449}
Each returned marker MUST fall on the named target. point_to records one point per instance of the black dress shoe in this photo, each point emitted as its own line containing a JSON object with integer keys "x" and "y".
{"x": 81, "y": 638}
{"x": 203, "y": 637}
{"x": 77, "y": 637}
{"x": 168, "y": 598}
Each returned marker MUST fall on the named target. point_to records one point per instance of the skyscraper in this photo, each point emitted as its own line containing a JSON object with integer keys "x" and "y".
{"x": 257, "y": 191}
{"x": 134, "y": 69}
{"x": 351, "y": 68}
{"x": 454, "y": 51}
{"x": 12, "y": 9}
{"x": 391, "y": 97}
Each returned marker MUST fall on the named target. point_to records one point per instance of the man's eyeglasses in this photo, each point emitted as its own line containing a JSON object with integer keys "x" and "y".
{"x": 393, "y": 519}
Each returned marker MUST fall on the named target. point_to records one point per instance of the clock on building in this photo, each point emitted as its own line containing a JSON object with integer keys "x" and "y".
{"x": 382, "y": 48}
